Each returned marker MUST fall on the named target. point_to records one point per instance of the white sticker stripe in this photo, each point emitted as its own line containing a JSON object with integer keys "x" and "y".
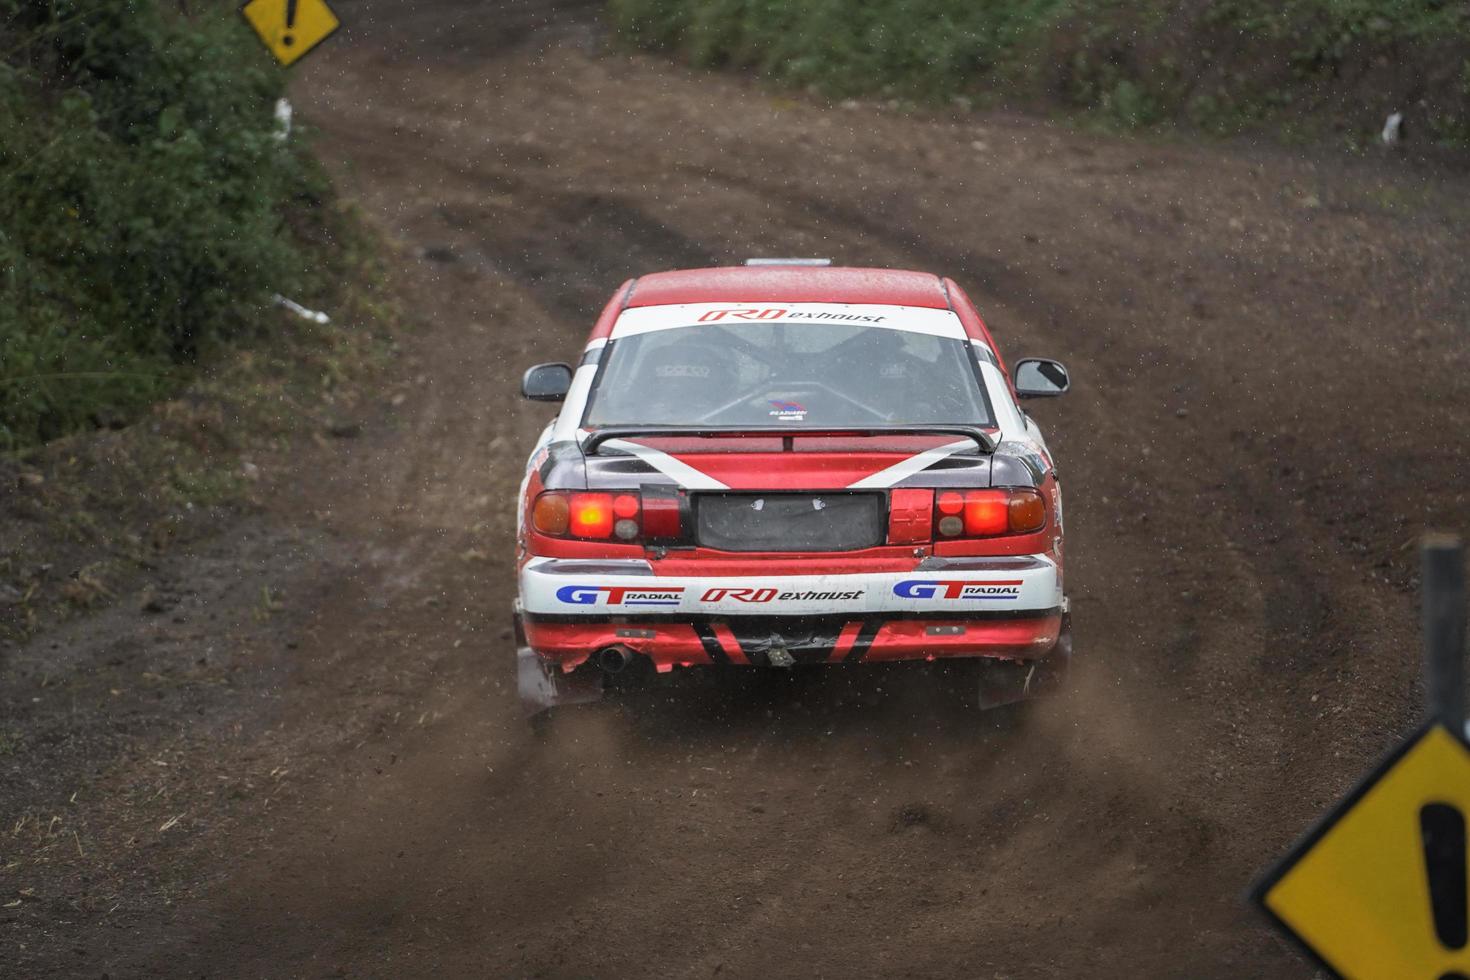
{"x": 683, "y": 474}
{"x": 547, "y": 589}
{"x": 912, "y": 319}
{"x": 899, "y": 471}
{"x": 575, "y": 403}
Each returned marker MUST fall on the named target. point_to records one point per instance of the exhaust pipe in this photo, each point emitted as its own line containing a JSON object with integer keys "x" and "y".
{"x": 613, "y": 660}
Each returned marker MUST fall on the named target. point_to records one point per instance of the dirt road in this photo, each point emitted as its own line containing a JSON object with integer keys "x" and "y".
{"x": 1271, "y": 394}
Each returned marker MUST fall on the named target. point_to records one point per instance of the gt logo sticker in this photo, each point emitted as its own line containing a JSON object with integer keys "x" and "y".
{"x": 916, "y": 588}
{"x": 618, "y": 595}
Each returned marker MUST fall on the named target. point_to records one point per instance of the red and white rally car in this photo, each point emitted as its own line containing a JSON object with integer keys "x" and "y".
{"x": 789, "y": 463}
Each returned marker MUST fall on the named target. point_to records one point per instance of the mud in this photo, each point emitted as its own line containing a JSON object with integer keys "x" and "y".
{"x": 1270, "y": 394}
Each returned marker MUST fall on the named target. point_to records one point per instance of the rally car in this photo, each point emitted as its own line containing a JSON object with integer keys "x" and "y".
{"x": 783, "y": 464}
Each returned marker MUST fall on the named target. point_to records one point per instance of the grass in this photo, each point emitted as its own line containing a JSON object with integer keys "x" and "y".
{"x": 149, "y": 207}
{"x": 1304, "y": 68}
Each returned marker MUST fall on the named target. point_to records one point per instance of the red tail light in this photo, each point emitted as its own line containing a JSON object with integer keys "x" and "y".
{"x": 591, "y": 515}
{"x": 949, "y": 511}
{"x": 624, "y": 516}
{"x": 625, "y": 510}
{"x": 987, "y": 513}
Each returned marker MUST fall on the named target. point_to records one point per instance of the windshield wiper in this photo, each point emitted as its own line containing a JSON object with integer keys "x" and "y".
{"x": 982, "y": 439}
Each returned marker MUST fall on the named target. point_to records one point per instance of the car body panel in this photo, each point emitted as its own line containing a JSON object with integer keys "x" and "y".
{"x": 692, "y": 605}
{"x": 789, "y": 284}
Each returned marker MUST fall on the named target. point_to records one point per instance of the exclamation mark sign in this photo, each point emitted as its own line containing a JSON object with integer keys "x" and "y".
{"x": 1442, "y": 828}
{"x": 288, "y": 38}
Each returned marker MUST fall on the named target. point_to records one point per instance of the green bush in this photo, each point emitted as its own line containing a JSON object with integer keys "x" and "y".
{"x": 142, "y": 201}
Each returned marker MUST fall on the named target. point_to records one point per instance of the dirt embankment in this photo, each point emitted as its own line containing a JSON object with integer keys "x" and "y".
{"x": 1271, "y": 388}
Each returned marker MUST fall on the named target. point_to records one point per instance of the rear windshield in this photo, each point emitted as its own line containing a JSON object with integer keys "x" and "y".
{"x": 788, "y": 375}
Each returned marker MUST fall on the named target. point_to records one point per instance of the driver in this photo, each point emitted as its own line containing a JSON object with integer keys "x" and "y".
{"x": 686, "y": 379}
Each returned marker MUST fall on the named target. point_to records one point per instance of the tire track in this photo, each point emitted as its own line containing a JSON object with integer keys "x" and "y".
{"x": 814, "y": 827}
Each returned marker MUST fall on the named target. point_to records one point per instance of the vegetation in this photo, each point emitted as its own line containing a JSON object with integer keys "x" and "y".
{"x": 85, "y": 516}
{"x": 144, "y": 197}
{"x": 1338, "y": 66}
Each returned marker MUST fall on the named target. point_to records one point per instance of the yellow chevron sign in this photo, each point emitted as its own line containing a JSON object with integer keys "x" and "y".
{"x": 1378, "y": 888}
{"x": 290, "y": 28}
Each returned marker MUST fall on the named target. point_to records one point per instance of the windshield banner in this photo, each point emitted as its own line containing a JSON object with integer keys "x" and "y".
{"x": 913, "y": 319}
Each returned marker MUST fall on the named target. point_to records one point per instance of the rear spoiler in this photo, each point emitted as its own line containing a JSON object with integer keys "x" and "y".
{"x": 983, "y": 442}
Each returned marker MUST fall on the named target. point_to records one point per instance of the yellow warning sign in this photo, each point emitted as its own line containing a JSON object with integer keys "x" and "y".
{"x": 1378, "y": 888}
{"x": 290, "y": 28}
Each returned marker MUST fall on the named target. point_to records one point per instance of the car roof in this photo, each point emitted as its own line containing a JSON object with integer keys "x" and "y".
{"x": 790, "y": 284}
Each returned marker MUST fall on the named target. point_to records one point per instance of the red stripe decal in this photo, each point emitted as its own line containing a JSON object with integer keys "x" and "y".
{"x": 730, "y": 645}
{"x": 844, "y": 642}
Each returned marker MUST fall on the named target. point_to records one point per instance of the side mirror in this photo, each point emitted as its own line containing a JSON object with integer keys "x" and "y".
{"x": 1040, "y": 377}
{"x": 547, "y": 382}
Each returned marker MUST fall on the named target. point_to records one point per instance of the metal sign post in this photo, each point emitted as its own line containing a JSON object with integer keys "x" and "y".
{"x": 1378, "y": 887}
{"x": 1442, "y": 560}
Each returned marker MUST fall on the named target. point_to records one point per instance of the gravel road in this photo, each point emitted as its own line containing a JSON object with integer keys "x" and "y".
{"x": 1271, "y": 392}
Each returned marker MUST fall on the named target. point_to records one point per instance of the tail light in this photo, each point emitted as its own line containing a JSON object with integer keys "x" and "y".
{"x": 914, "y": 515}
{"x": 987, "y": 513}
{"x": 626, "y": 516}
{"x": 591, "y": 515}
{"x": 552, "y": 514}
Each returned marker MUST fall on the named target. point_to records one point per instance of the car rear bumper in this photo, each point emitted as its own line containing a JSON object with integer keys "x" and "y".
{"x": 1009, "y": 608}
